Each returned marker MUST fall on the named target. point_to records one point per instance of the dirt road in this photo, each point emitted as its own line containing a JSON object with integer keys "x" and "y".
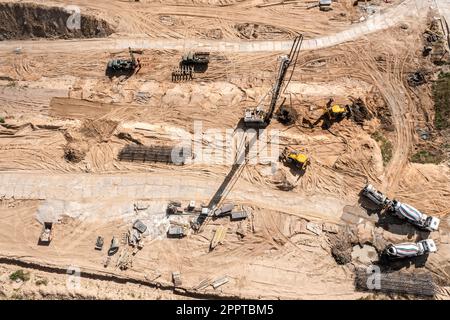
{"x": 401, "y": 13}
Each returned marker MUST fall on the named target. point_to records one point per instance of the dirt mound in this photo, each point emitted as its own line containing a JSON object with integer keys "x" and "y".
{"x": 341, "y": 247}
{"x": 74, "y": 154}
{"x": 22, "y": 21}
{"x": 100, "y": 130}
{"x": 256, "y": 31}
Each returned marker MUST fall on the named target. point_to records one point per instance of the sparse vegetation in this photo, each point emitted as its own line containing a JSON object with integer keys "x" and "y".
{"x": 441, "y": 96}
{"x": 2, "y": 120}
{"x": 41, "y": 282}
{"x": 12, "y": 83}
{"x": 385, "y": 146}
{"x": 424, "y": 156}
{"x": 20, "y": 275}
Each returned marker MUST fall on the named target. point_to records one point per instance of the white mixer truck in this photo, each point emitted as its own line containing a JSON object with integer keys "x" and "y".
{"x": 414, "y": 216}
{"x": 402, "y": 210}
{"x": 410, "y": 250}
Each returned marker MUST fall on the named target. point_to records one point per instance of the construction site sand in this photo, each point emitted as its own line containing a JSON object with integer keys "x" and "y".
{"x": 97, "y": 195}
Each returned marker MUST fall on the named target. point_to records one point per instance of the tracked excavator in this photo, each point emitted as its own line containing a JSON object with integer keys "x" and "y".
{"x": 402, "y": 210}
{"x": 259, "y": 117}
{"x": 336, "y": 112}
{"x": 295, "y": 157}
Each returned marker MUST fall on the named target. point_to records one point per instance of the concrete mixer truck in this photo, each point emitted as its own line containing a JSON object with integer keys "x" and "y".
{"x": 414, "y": 216}
{"x": 402, "y": 210}
{"x": 410, "y": 250}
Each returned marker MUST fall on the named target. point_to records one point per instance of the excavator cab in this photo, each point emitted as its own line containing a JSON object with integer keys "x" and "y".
{"x": 336, "y": 111}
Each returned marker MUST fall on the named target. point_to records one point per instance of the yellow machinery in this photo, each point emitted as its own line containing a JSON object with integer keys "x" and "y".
{"x": 336, "y": 112}
{"x": 300, "y": 160}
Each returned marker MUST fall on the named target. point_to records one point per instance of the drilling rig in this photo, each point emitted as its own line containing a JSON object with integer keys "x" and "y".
{"x": 259, "y": 117}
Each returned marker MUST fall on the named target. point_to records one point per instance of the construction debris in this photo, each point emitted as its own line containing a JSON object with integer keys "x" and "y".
{"x": 107, "y": 261}
{"x": 314, "y": 228}
{"x": 176, "y": 278}
{"x": 125, "y": 260}
{"x": 203, "y": 284}
{"x": 330, "y": 228}
{"x": 164, "y": 154}
{"x": 220, "y": 282}
{"x": 183, "y": 73}
{"x": 420, "y": 284}
{"x": 219, "y": 237}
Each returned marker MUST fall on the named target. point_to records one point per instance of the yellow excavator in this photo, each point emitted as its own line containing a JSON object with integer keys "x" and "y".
{"x": 295, "y": 157}
{"x": 336, "y": 111}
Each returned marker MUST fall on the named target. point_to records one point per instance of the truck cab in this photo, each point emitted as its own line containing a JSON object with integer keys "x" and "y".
{"x": 374, "y": 195}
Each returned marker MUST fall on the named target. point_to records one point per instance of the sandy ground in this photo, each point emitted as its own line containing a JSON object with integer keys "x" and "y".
{"x": 53, "y": 98}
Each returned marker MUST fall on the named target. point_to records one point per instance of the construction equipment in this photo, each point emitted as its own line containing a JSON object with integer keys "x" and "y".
{"x": 176, "y": 232}
{"x": 47, "y": 233}
{"x": 336, "y": 112}
{"x": 375, "y": 196}
{"x": 140, "y": 226}
{"x": 259, "y": 117}
{"x": 410, "y": 249}
{"x": 238, "y": 215}
{"x": 114, "y": 247}
{"x": 325, "y": 5}
{"x": 176, "y": 278}
{"x": 225, "y": 209}
{"x": 174, "y": 207}
{"x": 414, "y": 216}
{"x": 402, "y": 210}
{"x": 99, "y": 243}
{"x": 298, "y": 159}
{"x": 124, "y": 65}
{"x": 193, "y": 58}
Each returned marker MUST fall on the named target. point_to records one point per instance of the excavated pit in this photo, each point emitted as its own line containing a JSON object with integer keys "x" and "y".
{"x": 22, "y": 21}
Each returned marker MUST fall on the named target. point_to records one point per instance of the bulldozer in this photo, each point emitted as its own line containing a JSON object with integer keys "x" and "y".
{"x": 333, "y": 113}
{"x": 296, "y": 158}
